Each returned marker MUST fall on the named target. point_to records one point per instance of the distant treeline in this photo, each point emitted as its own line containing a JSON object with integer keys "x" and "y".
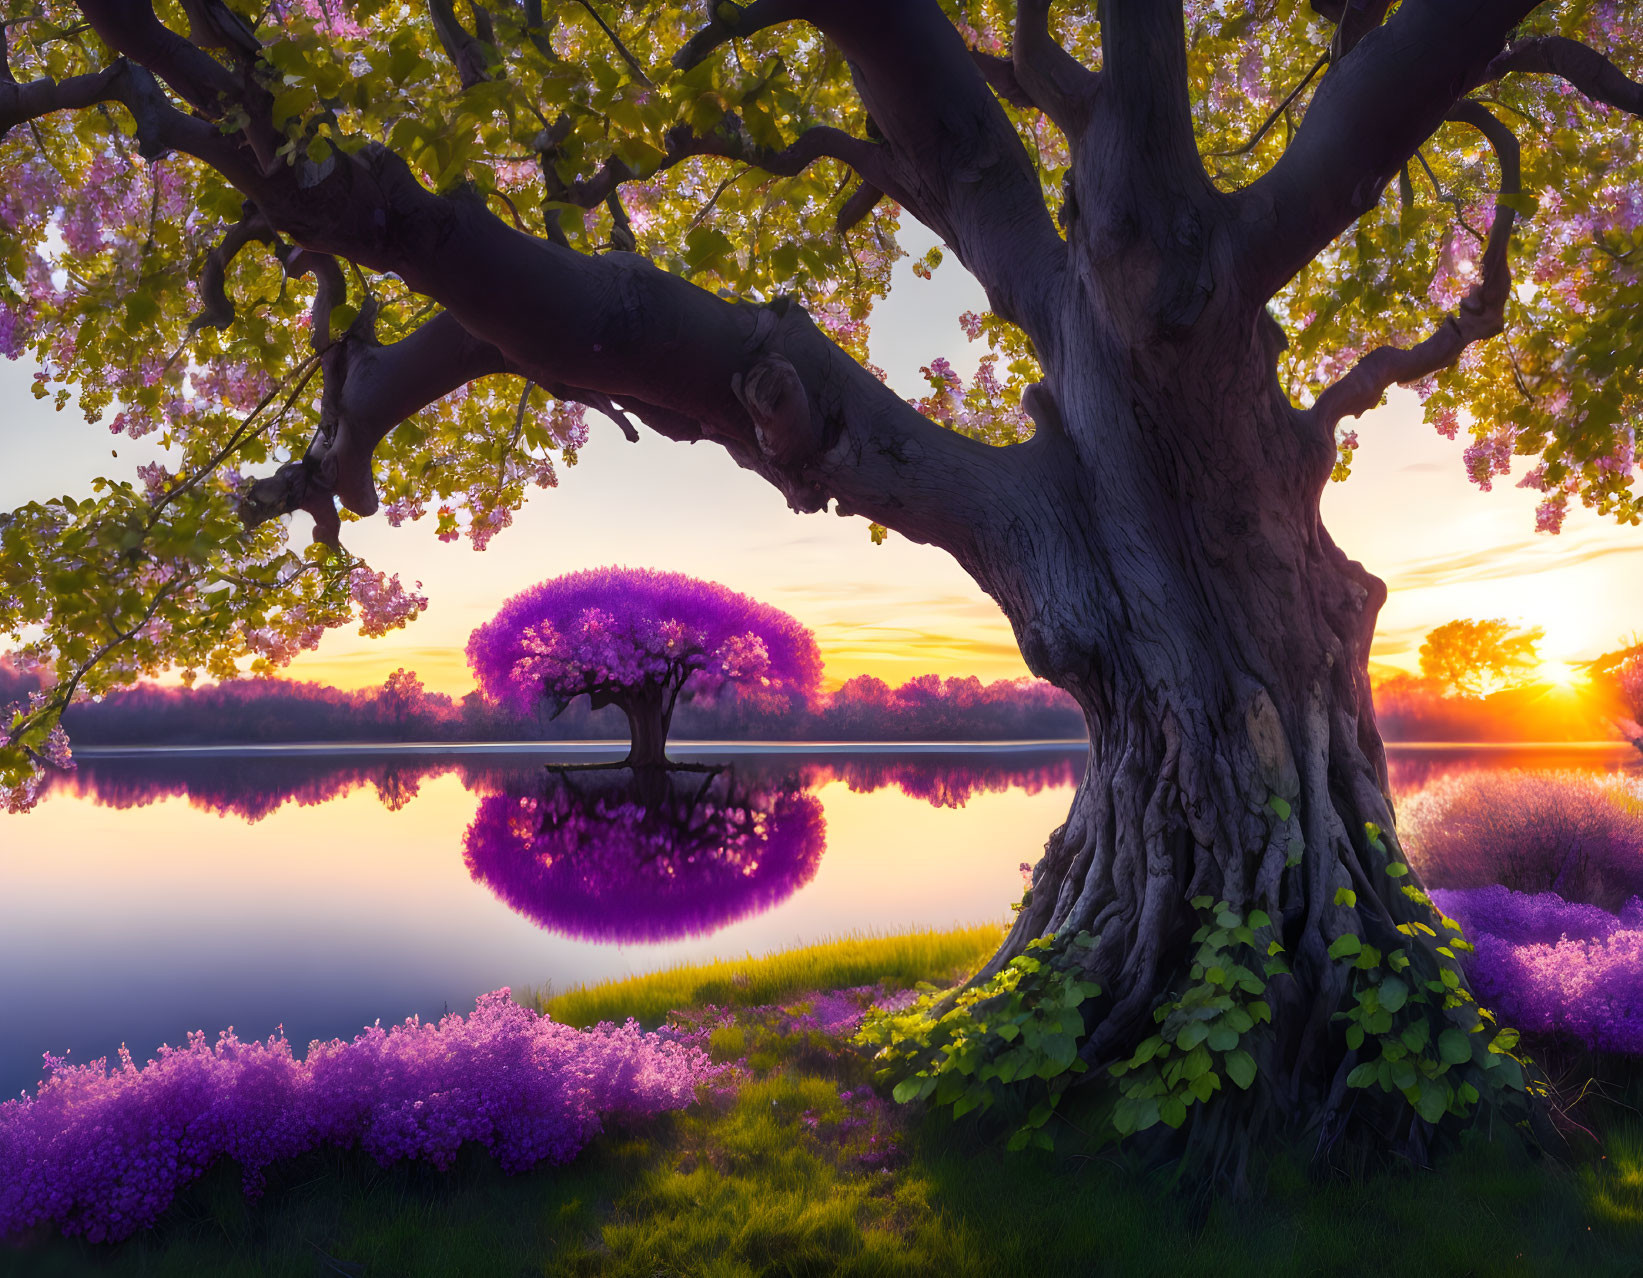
{"x": 927, "y": 708}
{"x": 277, "y": 710}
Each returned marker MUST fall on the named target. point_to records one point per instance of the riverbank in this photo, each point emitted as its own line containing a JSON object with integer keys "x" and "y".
{"x": 807, "y": 1170}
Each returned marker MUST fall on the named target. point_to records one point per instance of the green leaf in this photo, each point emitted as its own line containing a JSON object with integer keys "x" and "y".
{"x": 1345, "y": 946}
{"x": 1454, "y": 1046}
{"x": 1434, "y": 1100}
{"x": 906, "y": 1090}
{"x": 1240, "y": 1067}
{"x": 1279, "y": 805}
{"x": 1393, "y": 993}
{"x": 1364, "y": 1074}
{"x": 1346, "y": 897}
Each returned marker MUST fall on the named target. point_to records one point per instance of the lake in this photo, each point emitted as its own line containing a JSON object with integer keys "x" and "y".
{"x": 322, "y": 888}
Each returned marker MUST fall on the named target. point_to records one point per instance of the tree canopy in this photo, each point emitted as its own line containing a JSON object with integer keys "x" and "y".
{"x": 301, "y": 240}
{"x": 607, "y": 631}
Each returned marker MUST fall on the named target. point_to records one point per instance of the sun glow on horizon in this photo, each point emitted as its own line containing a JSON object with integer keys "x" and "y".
{"x": 1561, "y": 675}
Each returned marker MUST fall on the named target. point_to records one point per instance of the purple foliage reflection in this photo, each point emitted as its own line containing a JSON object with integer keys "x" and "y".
{"x": 615, "y": 857}
{"x": 253, "y": 786}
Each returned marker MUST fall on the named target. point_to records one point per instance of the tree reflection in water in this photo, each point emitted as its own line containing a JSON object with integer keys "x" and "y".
{"x": 619, "y": 856}
{"x": 252, "y": 786}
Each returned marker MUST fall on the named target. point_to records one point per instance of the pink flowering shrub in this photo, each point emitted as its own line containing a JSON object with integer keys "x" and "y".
{"x": 1576, "y": 834}
{"x": 103, "y": 1153}
{"x": 1552, "y": 967}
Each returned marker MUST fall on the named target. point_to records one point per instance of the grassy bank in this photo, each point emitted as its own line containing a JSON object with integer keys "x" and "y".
{"x": 807, "y": 1171}
{"x": 899, "y": 960}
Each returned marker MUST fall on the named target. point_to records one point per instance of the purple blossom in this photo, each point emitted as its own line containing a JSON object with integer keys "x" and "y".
{"x": 103, "y": 1153}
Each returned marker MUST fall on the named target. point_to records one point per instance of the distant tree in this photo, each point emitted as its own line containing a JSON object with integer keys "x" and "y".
{"x": 639, "y": 640}
{"x": 401, "y": 697}
{"x": 1475, "y": 658}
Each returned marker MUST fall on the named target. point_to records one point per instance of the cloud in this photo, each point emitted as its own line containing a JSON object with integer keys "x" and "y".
{"x": 1519, "y": 558}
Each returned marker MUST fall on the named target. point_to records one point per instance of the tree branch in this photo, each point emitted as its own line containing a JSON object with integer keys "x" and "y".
{"x": 1373, "y": 110}
{"x": 1039, "y": 74}
{"x": 954, "y": 160}
{"x": 1353, "y": 19}
{"x": 370, "y": 389}
{"x": 1146, "y": 105}
{"x": 730, "y": 21}
{"x": 870, "y": 161}
{"x": 465, "y": 50}
{"x": 218, "y": 311}
{"x": 1581, "y": 65}
{"x": 761, "y": 381}
{"x": 1482, "y": 312}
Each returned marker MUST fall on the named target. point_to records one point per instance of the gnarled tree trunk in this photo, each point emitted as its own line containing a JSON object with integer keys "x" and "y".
{"x": 1166, "y": 564}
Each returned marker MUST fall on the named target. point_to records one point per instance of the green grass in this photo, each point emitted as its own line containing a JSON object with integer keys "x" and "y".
{"x": 900, "y": 960}
{"x": 774, "y": 1182}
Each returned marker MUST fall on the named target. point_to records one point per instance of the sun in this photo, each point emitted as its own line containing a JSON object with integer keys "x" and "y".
{"x": 1560, "y": 674}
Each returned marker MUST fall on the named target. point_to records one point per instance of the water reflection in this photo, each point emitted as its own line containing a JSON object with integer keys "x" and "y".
{"x": 615, "y": 856}
{"x": 248, "y": 786}
{"x": 252, "y": 786}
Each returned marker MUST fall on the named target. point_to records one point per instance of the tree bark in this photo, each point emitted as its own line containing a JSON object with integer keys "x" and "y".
{"x": 1166, "y": 564}
{"x": 649, "y": 711}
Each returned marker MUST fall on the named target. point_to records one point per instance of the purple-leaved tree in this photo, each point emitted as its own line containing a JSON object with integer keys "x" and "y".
{"x": 639, "y": 640}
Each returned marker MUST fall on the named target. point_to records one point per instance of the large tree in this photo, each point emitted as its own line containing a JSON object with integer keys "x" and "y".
{"x": 383, "y": 252}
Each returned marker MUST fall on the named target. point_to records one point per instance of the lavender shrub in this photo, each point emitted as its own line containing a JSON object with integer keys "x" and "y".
{"x": 103, "y": 1153}
{"x": 1576, "y": 834}
{"x": 1555, "y": 967}
{"x": 1540, "y": 918}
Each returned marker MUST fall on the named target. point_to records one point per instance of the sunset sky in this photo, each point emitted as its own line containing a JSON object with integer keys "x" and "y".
{"x": 1445, "y": 549}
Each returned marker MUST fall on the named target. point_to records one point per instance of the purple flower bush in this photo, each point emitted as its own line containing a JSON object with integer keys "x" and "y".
{"x": 619, "y": 862}
{"x": 103, "y": 1153}
{"x": 1541, "y": 918}
{"x": 1555, "y": 967}
{"x": 1576, "y": 834}
{"x": 641, "y": 640}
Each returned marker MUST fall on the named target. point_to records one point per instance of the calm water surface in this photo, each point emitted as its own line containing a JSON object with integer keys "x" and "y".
{"x": 153, "y": 894}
